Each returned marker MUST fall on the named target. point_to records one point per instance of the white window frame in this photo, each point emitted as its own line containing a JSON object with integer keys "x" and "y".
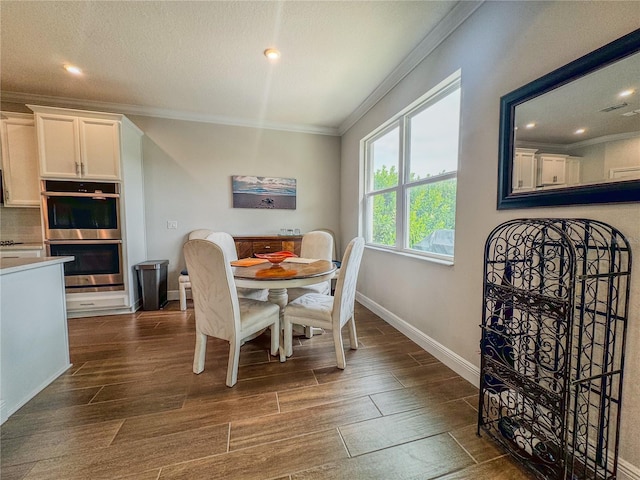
{"x": 402, "y": 121}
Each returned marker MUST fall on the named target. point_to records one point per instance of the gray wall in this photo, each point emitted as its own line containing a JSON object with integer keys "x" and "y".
{"x": 501, "y": 47}
{"x": 187, "y": 178}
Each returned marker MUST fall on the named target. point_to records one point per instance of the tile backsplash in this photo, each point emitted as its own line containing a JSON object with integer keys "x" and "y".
{"x": 20, "y": 225}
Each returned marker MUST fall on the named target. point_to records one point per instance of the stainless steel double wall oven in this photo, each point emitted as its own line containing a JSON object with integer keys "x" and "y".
{"x": 82, "y": 219}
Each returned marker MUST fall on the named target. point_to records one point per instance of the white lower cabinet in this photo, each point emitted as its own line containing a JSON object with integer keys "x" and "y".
{"x": 21, "y": 253}
{"x": 82, "y": 303}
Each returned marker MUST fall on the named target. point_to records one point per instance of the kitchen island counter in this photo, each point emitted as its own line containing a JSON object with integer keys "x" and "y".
{"x": 34, "y": 345}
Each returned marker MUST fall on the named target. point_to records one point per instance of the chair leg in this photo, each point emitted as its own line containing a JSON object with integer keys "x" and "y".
{"x": 353, "y": 336}
{"x": 288, "y": 337}
{"x": 308, "y": 332}
{"x": 183, "y": 296}
{"x": 275, "y": 337}
{"x": 234, "y": 360}
{"x": 199, "y": 355}
{"x": 337, "y": 341}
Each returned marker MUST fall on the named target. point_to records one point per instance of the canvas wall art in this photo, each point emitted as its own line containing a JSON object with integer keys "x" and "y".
{"x": 263, "y": 192}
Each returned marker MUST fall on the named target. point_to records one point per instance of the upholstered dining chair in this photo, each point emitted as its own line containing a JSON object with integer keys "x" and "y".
{"x": 326, "y": 311}
{"x": 184, "y": 283}
{"x": 318, "y": 245}
{"x": 227, "y": 244}
{"x": 219, "y": 312}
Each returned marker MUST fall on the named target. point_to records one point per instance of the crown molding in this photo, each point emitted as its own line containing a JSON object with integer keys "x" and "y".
{"x": 460, "y": 12}
{"x": 125, "y": 109}
{"x": 435, "y": 37}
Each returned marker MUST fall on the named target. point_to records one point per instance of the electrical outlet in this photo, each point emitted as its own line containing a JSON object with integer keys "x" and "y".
{"x": 172, "y": 224}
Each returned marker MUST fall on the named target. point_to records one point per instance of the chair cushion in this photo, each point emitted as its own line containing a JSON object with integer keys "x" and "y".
{"x": 323, "y": 288}
{"x": 312, "y": 306}
{"x": 184, "y": 272}
{"x": 254, "y": 313}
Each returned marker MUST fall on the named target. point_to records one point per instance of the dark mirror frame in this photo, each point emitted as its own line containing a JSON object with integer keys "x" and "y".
{"x": 618, "y": 192}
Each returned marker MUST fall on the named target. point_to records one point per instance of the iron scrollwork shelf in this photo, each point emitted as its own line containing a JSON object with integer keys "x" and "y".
{"x": 556, "y": 299}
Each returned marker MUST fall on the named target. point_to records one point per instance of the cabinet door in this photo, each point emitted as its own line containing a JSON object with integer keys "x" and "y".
{"x": 20, "y": 163}
{"x": 524, "y": 172}
{"x": 292, "y": 246}
{"x": 58, "y": 146}
{"x": 552, "y": 169}
{"x": 572, "y": 170}
{"x": 100, "y": 149}
{"x": 244, "y": 249}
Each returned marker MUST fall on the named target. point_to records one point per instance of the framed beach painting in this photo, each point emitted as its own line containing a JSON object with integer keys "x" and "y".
{"x": 263, "y": 192}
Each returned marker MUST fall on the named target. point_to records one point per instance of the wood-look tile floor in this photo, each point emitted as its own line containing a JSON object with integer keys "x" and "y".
{"x": 131, "y": 408}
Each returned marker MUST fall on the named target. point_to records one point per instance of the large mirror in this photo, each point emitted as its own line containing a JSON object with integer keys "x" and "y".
{"x": 573, "y": 136}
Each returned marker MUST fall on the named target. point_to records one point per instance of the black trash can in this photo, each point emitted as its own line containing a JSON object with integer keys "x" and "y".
{"x": 152, "y": 281}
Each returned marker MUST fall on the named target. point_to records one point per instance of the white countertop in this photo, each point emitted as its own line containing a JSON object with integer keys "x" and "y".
{"x": 13, "y": 265}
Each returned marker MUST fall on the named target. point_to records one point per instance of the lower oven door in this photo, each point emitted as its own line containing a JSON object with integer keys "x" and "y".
{"x": 97, "y": 265}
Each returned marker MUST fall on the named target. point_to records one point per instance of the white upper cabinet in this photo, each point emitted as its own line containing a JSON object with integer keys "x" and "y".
{"x": 524, "y": 170}
{"x": 19, "y": 160}
{"x": 77, "y": 146}
{"x": 552, "y": 169}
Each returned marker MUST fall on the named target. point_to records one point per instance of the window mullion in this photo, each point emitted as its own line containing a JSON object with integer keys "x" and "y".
{"x": 400, "y": 194}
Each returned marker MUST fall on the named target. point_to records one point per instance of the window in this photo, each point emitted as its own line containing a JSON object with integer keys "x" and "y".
{"x": 411, "y": 165}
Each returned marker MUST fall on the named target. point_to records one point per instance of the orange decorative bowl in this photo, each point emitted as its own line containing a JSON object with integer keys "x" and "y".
{"x": 276, "y": 257}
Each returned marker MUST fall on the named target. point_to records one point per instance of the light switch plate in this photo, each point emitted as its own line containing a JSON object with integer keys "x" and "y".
{"x": 172, "y": 224}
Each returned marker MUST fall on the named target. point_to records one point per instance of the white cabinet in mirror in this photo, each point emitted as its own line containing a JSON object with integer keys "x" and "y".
{"x": 540, "y": 171}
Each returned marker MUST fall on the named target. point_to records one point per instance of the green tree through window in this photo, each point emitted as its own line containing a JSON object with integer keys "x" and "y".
{"x": 412, "y": 176}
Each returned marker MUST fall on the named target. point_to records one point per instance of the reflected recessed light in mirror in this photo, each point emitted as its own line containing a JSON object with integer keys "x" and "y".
{"x": 530, "y": 125}
{"x": 580, "y": 131}
{"x": 73, "y": 69}
{"x": 626, "y": 93}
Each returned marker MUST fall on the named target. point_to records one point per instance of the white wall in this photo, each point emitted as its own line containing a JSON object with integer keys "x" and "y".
{"x": 503, "y": 46}
{"x": 187, "y": 177}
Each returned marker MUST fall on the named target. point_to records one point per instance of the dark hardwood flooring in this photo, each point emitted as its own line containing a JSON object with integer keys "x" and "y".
{"x": 131, "y": 408}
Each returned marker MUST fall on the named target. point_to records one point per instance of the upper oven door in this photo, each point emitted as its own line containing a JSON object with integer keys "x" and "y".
{"x": 85, "y": 216}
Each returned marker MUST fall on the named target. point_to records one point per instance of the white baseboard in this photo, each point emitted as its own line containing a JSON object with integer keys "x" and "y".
{"x": 627, "y": 471}
{"x": 455, "y": 362}
{"x": 175, "y": 295}
{"x": 468, "y": 371}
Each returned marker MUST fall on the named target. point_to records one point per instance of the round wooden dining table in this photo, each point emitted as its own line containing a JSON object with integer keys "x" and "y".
{"x": 278, "y": 277}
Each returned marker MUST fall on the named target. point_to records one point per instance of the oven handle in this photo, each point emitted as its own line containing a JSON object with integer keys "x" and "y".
{"x": 96, "y": 195}
{"x": 81, "y": 242}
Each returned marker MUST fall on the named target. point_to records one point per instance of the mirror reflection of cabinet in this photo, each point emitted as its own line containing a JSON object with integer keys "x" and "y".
{"x": 524, "y": 170}
{"x": 572, "y": 171}
{"x": 552, "y": 169}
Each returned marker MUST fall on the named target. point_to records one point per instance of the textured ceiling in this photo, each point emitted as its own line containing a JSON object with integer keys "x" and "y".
{"x": 204, "y": 60}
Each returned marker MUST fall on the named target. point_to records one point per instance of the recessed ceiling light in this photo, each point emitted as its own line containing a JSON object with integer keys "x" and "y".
{"x": 580, "y": 131}
{"x": 73, "y": 69}
{"x": 272, "y": 53}
{"x": 530, "y": 125}
{"x": 626, "y": 93}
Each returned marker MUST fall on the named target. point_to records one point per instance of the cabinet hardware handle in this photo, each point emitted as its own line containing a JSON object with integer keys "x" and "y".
{"x": 77, "y": 168}
{"x": 7, "y": 195}
{"x": 82, "y": 169}
{"x": 86, "y": 304}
